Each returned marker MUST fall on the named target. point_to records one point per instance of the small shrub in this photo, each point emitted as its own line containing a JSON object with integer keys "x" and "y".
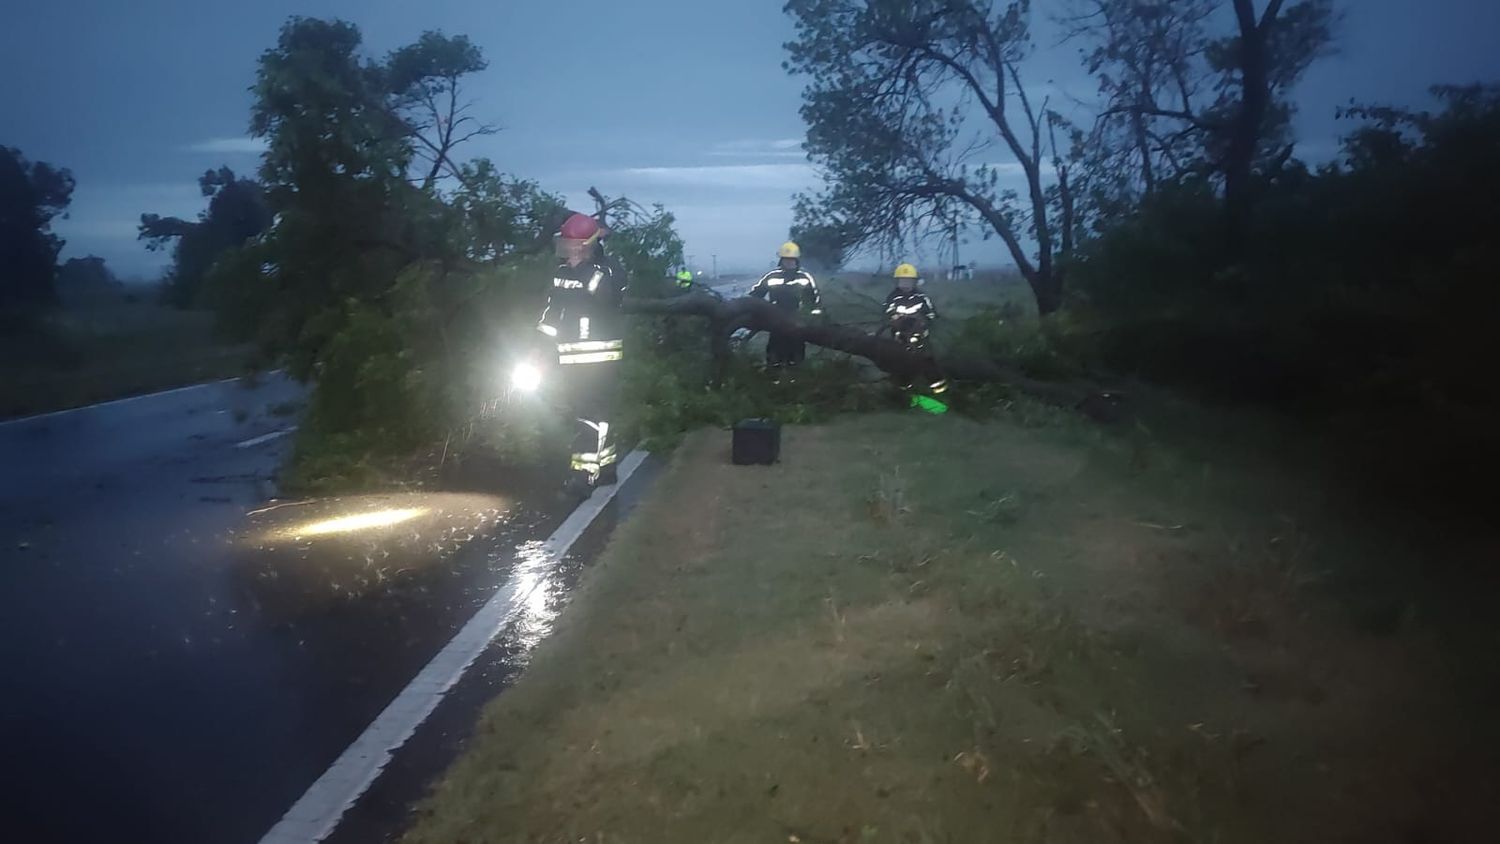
{"x": 669, "y": 392}
{"x": 1050, "y": 349}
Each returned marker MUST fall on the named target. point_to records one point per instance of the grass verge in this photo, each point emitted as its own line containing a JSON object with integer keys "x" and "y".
{"x": 81, "y": 357}
{"x": 919, "y": 629}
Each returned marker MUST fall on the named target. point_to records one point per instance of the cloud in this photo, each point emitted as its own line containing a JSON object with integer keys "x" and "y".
{"x": 759, "y": 148}
{"x": 100, "y": 229}
{"x": 176, "y": 193}
{"x": 243, "y": 146}
{"x": 103, "y": 217}
{"x": 764, "y": 176}
{"x": 1011, "y": 168}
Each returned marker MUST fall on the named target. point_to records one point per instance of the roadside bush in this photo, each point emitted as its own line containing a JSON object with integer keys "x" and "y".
{"x": 1054, "y": 348}
{"x": 1370, "y": 282}
{"x": 1162, "y": 259}
{"x": 1366, "y": 303}
{"x": 670, "y": 393}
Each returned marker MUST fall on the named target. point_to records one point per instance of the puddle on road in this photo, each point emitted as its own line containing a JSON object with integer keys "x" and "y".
{"x": 540, "y": 575}
{"x": 296, "y": 559}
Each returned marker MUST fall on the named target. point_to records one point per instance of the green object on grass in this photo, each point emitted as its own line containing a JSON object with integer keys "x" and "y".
{"x": 929, "y": 404}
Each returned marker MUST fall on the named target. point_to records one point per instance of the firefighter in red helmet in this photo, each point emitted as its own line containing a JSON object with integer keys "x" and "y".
{"x": 583, "y": 318}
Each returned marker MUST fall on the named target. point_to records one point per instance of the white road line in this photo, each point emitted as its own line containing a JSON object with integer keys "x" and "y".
{"x": 115, "y": 402}
{"x": 265, "y": 438}
{"x": 317, "y": 813}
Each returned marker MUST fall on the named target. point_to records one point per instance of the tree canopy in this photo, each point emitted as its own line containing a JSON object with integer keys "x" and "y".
{"x": 32, "y": 194}
{"x": 236, "y": 212}
{"x": 425, "y": 79}
{"x": 87, "y": 281}
{"x": 906, "y": 103}
{"x": 391, "y": 262}
{"x": 1195, "y": 89}
{"x": 920, "y": 116}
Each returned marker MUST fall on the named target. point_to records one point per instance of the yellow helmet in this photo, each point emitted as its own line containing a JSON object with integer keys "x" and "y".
{"x": 906, "y": 271}
{"x": 789, "y": 250}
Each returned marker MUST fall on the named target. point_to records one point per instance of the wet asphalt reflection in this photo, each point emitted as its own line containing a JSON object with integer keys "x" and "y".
{"x": 181, "y": 659}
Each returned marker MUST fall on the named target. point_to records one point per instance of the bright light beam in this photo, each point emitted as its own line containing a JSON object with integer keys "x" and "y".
{"x": 526, "y": 378}
{"x": 358, "y": 522}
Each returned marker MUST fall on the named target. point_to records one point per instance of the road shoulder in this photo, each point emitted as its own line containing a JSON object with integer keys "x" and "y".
{"x": 917, "y": 629}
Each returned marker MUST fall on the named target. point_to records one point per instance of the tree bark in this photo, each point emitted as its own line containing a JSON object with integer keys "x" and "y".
{"x": 1143, "y": 149}
{"x": 1046, "y": 288}
{"x": 1244, "y": 138}
{"x": 727, "y": 315}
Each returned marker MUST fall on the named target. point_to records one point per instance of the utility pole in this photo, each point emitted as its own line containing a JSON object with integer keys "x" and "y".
{"x": 716, "y": 268}
{"x": 954, "y": 273}
{"x": 690, "y": 262}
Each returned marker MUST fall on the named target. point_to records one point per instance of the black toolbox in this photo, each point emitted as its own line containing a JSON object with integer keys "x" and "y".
{"x": 756, "y": 441}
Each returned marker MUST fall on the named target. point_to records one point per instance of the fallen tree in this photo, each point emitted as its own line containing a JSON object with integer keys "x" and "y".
{"x": 725, "y": 316}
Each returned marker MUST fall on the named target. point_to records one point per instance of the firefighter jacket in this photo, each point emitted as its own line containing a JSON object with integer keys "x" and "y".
{"x": 583, "y": 312}
{"x": 790, "y": 289}
{"x": 908, "y": 303}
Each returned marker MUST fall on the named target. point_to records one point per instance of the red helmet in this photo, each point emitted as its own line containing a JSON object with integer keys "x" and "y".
{"x": 580, "y": 227}
{"x": 577, "y": 238}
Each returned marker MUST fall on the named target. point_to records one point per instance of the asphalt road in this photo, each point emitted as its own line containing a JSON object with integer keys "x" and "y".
{"x": 181, "y": 661}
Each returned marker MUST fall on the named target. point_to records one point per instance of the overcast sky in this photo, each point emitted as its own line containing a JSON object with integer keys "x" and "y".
{"x": 682, "y": 102}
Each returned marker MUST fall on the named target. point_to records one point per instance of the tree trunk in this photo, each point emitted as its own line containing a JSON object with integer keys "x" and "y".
{"x": 1239, "y": 161}
{"x": 724, "y": 316}
{"x": 718, "y": 349}
{"x": 1046, "y": 287}
{"x": 432, "y": 173}
{"x": 1244, "y": 137}
{"x": 1143, "y": 148}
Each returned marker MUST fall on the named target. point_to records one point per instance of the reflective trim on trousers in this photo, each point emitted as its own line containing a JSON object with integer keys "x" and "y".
{"x": 587, "y": 357}
{"x": 592, "y": 466}
{"x": 590, "y": 346}
{"x": 605, "y": 457}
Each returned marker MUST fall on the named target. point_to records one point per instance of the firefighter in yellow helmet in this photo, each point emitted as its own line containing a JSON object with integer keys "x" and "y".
{"x": 909, "y": 314}
{"x": 908, "y": 309}
{"x": 792, "y": 288}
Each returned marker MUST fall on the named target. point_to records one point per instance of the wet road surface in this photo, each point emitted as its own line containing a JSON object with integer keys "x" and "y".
{"x": 385, "y": 810}
{"x": 181, "y": 660}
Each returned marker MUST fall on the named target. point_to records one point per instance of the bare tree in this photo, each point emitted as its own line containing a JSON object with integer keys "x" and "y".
{"x": 1197, "y": 87}
{"x": 909, "y": 105}
{"x": 1269, "y": 55}
{"x": 1147, "y": 56}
